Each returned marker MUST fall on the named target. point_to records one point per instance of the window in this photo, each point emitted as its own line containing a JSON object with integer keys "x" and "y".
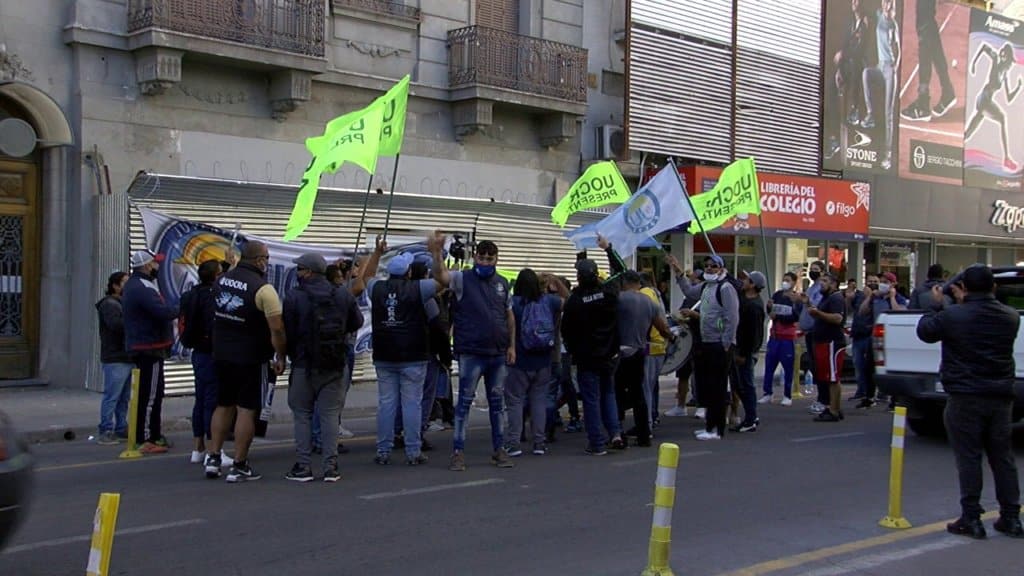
{"x": 499, "y": 14}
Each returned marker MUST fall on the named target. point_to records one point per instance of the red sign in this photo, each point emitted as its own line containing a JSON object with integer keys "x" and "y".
{"x": 797, "y": 206}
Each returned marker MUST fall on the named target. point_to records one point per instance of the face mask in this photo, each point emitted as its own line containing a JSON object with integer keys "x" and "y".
{"x": 786, "y": 285}
{"x": 815, "y": 275}
{"x": 884, "y": 288}
{"x": 484, "y": 271}
{"x": 709, "y": 277}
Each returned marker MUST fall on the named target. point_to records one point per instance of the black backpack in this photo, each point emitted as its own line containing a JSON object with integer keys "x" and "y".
{"x": 197, "y": 308}
{"x": 327, "y": 341}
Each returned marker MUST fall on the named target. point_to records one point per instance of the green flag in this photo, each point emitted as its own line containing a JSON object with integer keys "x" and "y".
{"x": 395, "y": 101}
{"x": 736, "y": 192}
{"x": 355, "y": 138}
{"x": 601, "y": 184}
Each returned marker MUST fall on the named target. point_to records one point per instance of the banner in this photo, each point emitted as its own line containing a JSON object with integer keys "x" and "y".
{"x": 599, "y": 185}
{"x": 656, "y": 207}
{"x": 395, "y": 102}
{"x": 354, "y": 137}
{"x": 933, "y": 91}
{"x": 994, "y": 128}
{"x": 861, "y": 55}
{"x": 735, "y": 193}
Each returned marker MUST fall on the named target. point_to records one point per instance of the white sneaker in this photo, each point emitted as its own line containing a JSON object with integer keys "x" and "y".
{"x": 345, "y": 433}
{"x": 708, "y": 436}
{"x": 700, "y": 413}
{"x": 699, "y": 431}
{"x": 198, "y": 457}
{"x": 787, "y": 401}
{"x": 435, "y": 426}
{"x": 766, "y": 399}
{"x": 676, "y": 411}
{"x": 816, "y": 408}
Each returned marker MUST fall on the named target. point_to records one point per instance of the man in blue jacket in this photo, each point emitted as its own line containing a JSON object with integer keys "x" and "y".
{"x": 149, "y": 334}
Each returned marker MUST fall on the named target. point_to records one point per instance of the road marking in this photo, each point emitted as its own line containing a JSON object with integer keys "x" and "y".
{"x": 88, "y": 537}
{"x": 429, "y": 489}
{"x": 655, "y": 458}
{"x": 931, "y": 131}
{"x": 918, "y": 65}
{"x": 848, "y": 548}
{"x": 826, "y": 437}
{"x": 864, "y": 564}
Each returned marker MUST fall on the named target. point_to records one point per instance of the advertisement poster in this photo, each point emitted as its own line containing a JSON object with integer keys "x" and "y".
{"x": 994, "y": 125}
{"x": 933, "y": 90}
{"x": 862, "y": 55}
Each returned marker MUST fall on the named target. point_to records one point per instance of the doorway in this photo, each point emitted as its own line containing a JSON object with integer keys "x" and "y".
{"x": 19, "y": 267}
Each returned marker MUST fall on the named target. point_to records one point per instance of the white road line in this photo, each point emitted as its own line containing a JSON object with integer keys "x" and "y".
{"x": 655, "y": 458}
{"x": 865, "y": 563}
{"x": 918, "y": 65}
{"x": 826, "y": 437}
{"x": 931, "y": 131}
{"x": 429, "y": 489}
{"x": 88, "y": 537}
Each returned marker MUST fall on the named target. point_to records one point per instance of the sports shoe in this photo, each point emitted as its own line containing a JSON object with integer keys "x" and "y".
{"x": 107, "y": 439}
{"x": 703, "y": 436}
{"x": 787, "y": 401}
{"x": 968, "y": 527}
{"x": 816, "y": 408}
{"x": 766, "y": 399}
{"x": 382, "y": 459}
{"x": 539, "y": 449}
{"x": 457, "y": 462}
{"x": 514, "y": 451}
{"x": 163, "y": 441}
{"x": 744, "y": 427}
{"x": 916, "y": 113}
{"x": 867, "y": 123}
{"x": 1009, "y": 526}
{"x": 331, "y": 473}
{"x": 299, "y": 473}
{"x": 574, "y": 425}
{"x": 435, "y": 426}
{"x": 699, "y": 431}
{"x": 500, "y": 459}
{"x": 827, "y": 416}
{"x": 197, "y": 457}
{"x": 701, "y": 413}
{"x": 416, "y": 460}
{"x": 865, "y": 404}
{"x": 618, "y": 443}
{"x": 676, "y": 411}
{"x": 944, "y": 105}
{"x": 345, "y": 433}
{"x": 242, "y": 472}
{"x": 211, "y": 465}
{"x": 591, "y": 451}
{"x": 226, "y": 461}
{"x": 151, "y": 448}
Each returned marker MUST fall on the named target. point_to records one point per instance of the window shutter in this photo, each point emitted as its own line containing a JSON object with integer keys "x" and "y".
{"x": 499, "y": 14}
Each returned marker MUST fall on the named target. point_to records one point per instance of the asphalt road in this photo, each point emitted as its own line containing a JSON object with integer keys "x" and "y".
{"x": 796, "y": 497}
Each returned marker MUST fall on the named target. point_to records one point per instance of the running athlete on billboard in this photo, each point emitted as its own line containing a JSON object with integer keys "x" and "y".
{"x": 850, "y": 62}
{"x": 887, "y": 38}
{"x": 985, "y": 105}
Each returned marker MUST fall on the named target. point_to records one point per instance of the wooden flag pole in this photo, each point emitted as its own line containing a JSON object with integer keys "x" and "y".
{"x": 391, "y": 196}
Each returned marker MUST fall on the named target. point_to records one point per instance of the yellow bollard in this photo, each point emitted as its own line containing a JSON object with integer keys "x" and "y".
{"x": 895, "y": 518}
{"x": 103, "y": 525}
{"x": 664, "y": 498}
{"x": 797, "y": 384}
{"x": 131, "y": 449}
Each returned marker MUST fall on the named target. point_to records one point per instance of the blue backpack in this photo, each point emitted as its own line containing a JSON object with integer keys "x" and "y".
{"x": 537, "y": 328}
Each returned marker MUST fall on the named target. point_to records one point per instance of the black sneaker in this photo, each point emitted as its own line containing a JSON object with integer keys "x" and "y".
{"x": 865, "y": 404}
{"x": 211, "y": 465}
{"x": 746, "y": 427}
{"x": 331, "y": 473}
{"x": 827, "y": 416}
{"x": 944, "y": 105}
{"x": 1009, "y": 526}
{"x": 967, "y": 527}
{"x": 382, "y": 459}
{"x": 589, "y": 451}
{"x": 916, "y": 113}
{"x": 242, "y": 472}
{"x": 416, "y": 460}
{"x": 299, "y": 473}
{"x": 618, "y": 443}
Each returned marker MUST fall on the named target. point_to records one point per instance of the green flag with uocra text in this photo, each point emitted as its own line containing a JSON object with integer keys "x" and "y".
{"x": 736, "y": 192}
{"x": 393, "y": 131}
{"x": 599, "y": 185}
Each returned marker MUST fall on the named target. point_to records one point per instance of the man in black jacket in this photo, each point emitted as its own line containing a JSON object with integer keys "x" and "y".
{"x": 977, "y": 372}
{"x": 117, "y": 364}
{"x": 921, "y": 297}
{"x": 749, "y": 337}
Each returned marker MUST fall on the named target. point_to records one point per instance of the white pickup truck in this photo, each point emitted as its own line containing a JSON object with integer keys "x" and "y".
{"x": 908, "y": 368}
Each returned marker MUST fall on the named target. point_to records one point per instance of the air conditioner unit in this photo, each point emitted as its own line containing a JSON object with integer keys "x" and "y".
{"x": 611, "y": 142}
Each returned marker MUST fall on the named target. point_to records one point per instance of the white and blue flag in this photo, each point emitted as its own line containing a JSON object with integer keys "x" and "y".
{"x": 659, "y": 205}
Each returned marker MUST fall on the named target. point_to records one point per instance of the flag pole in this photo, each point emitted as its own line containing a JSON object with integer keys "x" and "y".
{"x": 391, "y": 196}
{"x": 686, "y": 195}
{"x": 362, "y": 219}
{"x": 760, "y": 224}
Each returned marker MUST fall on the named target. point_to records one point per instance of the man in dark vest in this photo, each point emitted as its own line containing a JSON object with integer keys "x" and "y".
{"x": 318, "y": 317}
{"x": 484, "y": 329}
{"x": 399, "y": 307}
{"x": 247, "y": 332}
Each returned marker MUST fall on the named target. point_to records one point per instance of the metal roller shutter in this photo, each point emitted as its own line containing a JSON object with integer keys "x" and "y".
{"x": 710, "y": 19}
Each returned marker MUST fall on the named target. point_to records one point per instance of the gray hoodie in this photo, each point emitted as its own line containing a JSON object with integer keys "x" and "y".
{"x": 718, "y": 322}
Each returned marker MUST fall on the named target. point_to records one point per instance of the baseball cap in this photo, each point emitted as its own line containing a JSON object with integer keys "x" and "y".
{"x": 399, "y": 264}
{"x": 757, "y": 279}
{"x": 586, "y": 266}
{"x": 889, "y": 276}
{"x": 142, "y": 257}
{"x": 312, "y": 261}
{"x": 718, "y": 260}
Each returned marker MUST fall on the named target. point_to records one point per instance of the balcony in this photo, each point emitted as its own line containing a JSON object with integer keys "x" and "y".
{"x": 487, "y": 66}
{"x": 386, "y": 8}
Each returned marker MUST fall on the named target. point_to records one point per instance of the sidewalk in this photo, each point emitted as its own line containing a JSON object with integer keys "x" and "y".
{"x": 45, "y": 414}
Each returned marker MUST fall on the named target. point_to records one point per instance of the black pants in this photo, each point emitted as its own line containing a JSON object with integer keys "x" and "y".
{"x": 629, "y": 393}
{"x": 976, "y": 425}
{"x": 151, "y": 399}
{"x": 712, "y": 370}
{"x": 930, "y": 55}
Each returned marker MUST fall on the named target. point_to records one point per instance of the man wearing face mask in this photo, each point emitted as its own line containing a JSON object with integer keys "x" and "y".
{"x": 784, "y": 311}
{"x": 812, "y": 299}
{"x": 860, "y": 333}
{"x": 829, "y": 342}
{"x": 484, "y": 330}
{"x": 149, "y": 334}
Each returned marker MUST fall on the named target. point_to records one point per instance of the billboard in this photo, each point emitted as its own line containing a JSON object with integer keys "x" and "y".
{"x": 933, "y": 90}
{"x": 994, "y": 126}
{"x": 861, "y": 61}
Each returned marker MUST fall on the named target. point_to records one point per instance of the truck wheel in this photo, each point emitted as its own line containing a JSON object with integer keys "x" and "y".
{"x": 930, "y": 425}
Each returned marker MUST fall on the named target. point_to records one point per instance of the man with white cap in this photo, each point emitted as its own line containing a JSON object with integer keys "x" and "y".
{"x": 149, "y": 334}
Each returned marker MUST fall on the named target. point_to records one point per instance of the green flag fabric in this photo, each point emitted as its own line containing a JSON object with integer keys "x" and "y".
{"x": 599, "y": 185}
{"x": 355, "y": 138}
{"x": 736, "y": 192}
{"x": 395, "y": 101}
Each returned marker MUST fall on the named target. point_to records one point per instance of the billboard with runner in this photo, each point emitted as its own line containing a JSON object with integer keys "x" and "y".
{"x": 933, "y": 90}
{"x": 994, "y": 126}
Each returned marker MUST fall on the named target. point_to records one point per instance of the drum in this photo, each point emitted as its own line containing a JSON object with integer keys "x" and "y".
{"x": 678, "y": 352}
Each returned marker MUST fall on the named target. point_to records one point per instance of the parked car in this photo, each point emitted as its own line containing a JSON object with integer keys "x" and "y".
{"x": 16, "y": 464}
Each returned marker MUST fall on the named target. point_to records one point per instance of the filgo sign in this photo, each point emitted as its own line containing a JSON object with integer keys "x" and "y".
{"x": 1008, "y": 216}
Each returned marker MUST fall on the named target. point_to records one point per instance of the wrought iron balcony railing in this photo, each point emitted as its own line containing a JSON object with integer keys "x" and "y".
{"x": 486, "y": 56}
{"x": 386, "y": 7}
{"x": 295, "y": 26}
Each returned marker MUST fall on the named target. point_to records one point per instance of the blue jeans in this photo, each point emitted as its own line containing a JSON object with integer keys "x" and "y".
{"x": 597, "y": 387}
{"x": 863, "y": 364}
{"x": 434, "y": 377}
{"x": 779, "y": 352}
{"x": 206, "y": 394}
{"x": 117, "y": 392}
{"x": 399, "y": 381}
{"x": 471, "y": 368}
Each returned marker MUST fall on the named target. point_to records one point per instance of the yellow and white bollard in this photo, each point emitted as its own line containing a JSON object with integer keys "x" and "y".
{"x": 895, "y": 517}
{"x": 103, "y": 525}
{"x": 131, "y": 449}
{"x": 664, "y": 498}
